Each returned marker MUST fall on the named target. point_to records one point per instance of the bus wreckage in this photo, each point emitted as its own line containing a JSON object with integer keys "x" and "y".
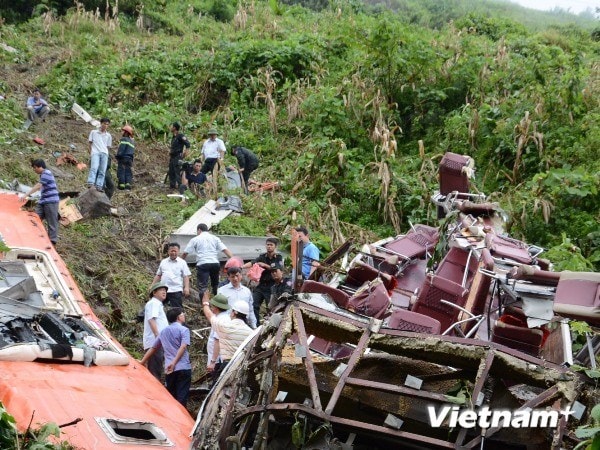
{"x": 453, "y": 337}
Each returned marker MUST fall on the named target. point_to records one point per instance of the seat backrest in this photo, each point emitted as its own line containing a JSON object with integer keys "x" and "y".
{"x": 370, "y": 300}
{"x": 455, "y": 263}
{"x": 429, "y": 302}
{"x": 528, "y": 340}
{"x": 578, "y": 296}
{"x": 505, "y": 247}
{"x": 339, "y": 297}
{"x": 404, "y": 320}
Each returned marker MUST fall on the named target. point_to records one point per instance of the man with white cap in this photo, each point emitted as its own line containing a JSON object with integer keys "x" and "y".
{"x": 232, "y": 328}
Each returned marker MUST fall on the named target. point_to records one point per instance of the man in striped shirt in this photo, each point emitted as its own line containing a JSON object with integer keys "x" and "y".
{"x": 47, "y": 207}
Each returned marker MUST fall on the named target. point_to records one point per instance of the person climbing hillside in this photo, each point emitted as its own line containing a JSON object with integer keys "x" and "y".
{"x": 213, "y": 150}
{"x": 47, "y": 207}
{"x": 247, "y": 162}
{"x": 125, "y": 154}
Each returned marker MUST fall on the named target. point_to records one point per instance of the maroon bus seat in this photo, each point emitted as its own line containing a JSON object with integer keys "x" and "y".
{"x": 452, "y": 174}
{"x": 527, "y": 340}
{"x": 505, "y": 247}
{"x": 416, "y": 243}
{"x": 404, "y": 320}
{"x": 537, "y": 276}
{"x": 511, "y": 330}
{"x": 370, "y": 300}
{"x": 578, "y": 296}
{"x": 452, "y": 267}
{"x": 447, "y": 284}
{"x": 436, "y": 289}
{"x": 315, "y": 287}
{"x": 360, "y": 273}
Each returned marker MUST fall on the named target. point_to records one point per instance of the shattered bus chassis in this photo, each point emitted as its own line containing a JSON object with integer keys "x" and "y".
{"x": 460, "y": 317}
{"x": 278, "y": 393}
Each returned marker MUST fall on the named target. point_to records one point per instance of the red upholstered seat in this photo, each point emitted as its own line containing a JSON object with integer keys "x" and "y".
{"x": 361, "y": 273}
{"x": 528, "y": 340}
{"x": 447, "y": 284}
{"x": 511, "y": 330}
{"x": 452, "y": 176}
{"x": 370, "y": 300}
{"x": 509, "y": 248}
{"x": 416, "y": 243}
{"x": 429, "y": 302}
{"x": 339, "y": 297}
{"x": 404, "y": 320}
{"x": 578, "y": 296}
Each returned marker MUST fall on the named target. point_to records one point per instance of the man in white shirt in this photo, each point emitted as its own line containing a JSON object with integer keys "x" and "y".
{"x": 213, "y": 150}
{"x": 235, "y": 292}
{"x": 175, "y": 273}
{"x": 155, "y": 320}
{"x": 100, "y": 141}
{"x": 206, "y": 247}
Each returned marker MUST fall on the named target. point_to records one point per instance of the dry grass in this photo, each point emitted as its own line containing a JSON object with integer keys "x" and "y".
{"x": 266, "y": 82}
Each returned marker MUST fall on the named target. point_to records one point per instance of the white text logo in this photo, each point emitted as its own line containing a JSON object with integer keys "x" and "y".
{"x": 453, "y": 416}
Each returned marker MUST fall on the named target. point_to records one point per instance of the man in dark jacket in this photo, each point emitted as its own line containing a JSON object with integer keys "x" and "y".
{"x": 247, "y": 162}
{"x": 179, "y": 147}
{"x": 281, "y": 286}
{"x": 268, "y": 261}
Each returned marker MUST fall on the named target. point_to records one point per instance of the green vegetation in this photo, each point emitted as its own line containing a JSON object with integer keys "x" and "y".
{"x": 350, "y": 106}
{"x": 38, "y": 439}
{"x": 351, "y": 119}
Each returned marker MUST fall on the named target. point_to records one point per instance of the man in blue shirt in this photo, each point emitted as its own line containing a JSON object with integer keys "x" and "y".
{"x": 193, "y": 179}
{"x": 174, "y": 340}
{"x": 37, "y": 107}
{"x": 310, "y": 254}
{"x": 47, "y": 207}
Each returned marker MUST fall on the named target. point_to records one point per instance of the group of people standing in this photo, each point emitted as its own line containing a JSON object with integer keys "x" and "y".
{"x": 232, "y": 309}
{"x": 194, "y": 175}
{"x": 100, "y": 140}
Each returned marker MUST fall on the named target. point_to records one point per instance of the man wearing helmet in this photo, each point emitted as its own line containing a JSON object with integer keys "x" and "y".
{"x": 125, "y": 158}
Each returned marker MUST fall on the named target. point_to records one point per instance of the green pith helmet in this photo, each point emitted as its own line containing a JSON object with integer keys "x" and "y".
{"x": 156, "y": 286}
{"x": 220, "y": 301}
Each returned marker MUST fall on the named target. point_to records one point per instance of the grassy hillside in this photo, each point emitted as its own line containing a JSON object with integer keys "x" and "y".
{"x": 351, "y": 119}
